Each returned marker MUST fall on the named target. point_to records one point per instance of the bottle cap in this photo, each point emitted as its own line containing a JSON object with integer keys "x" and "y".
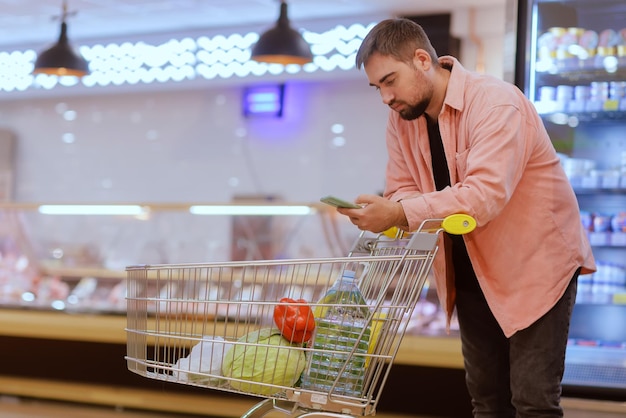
{"x": 348, "y": 274}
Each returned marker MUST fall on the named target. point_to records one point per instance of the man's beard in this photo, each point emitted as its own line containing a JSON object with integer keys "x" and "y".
{"x": 413, "y": 112}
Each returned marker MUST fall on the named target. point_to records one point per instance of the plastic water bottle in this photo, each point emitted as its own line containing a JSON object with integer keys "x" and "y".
{"x": 337, "y": 330}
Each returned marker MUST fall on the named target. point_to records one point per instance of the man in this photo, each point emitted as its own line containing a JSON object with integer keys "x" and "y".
{"x": 460, "y": 142}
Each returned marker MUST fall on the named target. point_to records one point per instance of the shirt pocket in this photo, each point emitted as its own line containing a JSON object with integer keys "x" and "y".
{"x": 461, "y": 164}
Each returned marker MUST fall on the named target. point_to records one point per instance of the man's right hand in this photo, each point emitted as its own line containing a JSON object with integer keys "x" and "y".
{"x": 377, "y": 214}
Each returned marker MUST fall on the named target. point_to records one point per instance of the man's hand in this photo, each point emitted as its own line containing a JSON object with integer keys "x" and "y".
{"x": 377, "y": 214}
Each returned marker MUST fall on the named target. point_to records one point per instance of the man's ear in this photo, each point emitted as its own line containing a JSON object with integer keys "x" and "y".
{"x": 421, "y": 59}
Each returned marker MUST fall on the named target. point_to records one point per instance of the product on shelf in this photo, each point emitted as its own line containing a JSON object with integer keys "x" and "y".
{"x": 562, "y": 49}
{"x": 49, "y": 290}
{"x": 589, "y": 43}
{"x": 605, "y": 229}
{"x": 601, "y": 286}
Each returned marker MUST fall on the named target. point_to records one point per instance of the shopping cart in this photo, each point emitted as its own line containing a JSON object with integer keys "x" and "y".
{"x": 213, "y": 325}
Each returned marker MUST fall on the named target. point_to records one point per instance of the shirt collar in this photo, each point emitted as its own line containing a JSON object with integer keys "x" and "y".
{"x": 456, "y": 84}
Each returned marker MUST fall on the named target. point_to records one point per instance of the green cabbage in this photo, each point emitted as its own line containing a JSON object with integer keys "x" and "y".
{"x": 270, "y": 359}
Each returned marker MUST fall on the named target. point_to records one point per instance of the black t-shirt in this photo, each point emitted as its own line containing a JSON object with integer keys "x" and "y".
{"x": 465, "y": 278}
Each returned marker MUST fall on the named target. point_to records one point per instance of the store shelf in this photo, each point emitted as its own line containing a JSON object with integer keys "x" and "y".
{"x": 584, "y": 191}
{"x": 150, "y": 400}
{"x": 425, "y": 351}
{"x": 432, "y": 351}
{"x": 219, "y": 406}
{"x": 579, "y": 76}
{"x": 28, "y": 323}
{"x": 598, "y": 116}
{"x": 80, "y": 272}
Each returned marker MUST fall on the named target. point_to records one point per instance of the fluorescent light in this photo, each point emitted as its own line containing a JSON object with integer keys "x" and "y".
{"x": 267, "y": 210}
{"x": 91, "y": 210}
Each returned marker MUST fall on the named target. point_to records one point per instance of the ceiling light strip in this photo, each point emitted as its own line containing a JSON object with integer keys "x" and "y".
{"x": 130, "y": 210}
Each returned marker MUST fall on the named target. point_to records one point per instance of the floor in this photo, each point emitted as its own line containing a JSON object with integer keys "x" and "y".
{"x": 11, "y": 407}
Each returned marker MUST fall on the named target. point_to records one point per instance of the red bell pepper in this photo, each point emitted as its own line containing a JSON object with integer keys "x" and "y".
{"x": 294, "y": 318}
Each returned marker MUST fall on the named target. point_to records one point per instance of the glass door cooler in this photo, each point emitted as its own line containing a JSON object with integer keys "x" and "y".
{"x": 571, "y": 62}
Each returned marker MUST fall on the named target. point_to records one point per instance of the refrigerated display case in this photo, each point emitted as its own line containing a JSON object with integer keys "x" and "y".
{"x": 71, "y": 257}
{"x": 571, "y": 63}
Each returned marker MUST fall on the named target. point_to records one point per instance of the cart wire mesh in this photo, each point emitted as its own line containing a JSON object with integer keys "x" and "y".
{"x": 213, "y": 324}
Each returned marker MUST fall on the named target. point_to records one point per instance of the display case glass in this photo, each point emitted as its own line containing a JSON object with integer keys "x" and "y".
{"x": 73, "y": 258}
{"x": 571, "y": 62}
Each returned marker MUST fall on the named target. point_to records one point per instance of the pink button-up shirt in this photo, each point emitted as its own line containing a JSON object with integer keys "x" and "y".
{"x": 506, "y": 174}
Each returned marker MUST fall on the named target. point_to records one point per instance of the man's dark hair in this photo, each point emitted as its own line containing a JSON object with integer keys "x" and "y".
{"x": 398, "y": 38}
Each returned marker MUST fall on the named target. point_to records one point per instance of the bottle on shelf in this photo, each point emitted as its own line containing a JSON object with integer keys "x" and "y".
{"x": 341, "y": 317}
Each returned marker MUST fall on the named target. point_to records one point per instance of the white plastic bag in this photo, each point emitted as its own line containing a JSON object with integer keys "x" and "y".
{"x": 205, "y": 357}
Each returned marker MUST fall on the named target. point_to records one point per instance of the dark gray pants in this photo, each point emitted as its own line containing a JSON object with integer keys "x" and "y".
{"x": 515, "y": 377}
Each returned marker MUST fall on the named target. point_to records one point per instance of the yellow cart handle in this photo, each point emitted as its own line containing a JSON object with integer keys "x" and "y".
{"x": 458, "y": 224}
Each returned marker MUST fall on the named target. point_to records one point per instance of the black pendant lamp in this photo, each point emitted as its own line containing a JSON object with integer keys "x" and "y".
{"x": 61, "y": 59}
{"x": 282, "y": 44}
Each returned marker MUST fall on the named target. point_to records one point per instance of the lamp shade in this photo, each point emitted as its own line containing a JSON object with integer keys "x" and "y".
{"x": 282, "y": 44}
{"x": 61, "y": 59}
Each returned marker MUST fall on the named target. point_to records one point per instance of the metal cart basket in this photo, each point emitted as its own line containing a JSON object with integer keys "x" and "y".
{"x": 218, "y": 325}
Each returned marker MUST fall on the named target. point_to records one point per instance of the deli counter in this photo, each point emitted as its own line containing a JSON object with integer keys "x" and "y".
{"x": 63, "y": 287}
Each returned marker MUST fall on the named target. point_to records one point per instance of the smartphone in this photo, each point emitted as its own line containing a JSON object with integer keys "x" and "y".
{"x": 339, "y": 203}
